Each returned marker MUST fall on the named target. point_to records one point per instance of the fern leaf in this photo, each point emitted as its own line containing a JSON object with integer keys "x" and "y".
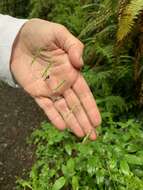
{"x": 106, "y": 51}
{"x": 101, "y": 17}
{"x": 127, "y": 20}
{"x": 114, "y": 102}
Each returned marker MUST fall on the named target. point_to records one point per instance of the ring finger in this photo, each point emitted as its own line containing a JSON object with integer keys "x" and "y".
{"x": 68, "y": 117}
{"x": 78, "y": 111}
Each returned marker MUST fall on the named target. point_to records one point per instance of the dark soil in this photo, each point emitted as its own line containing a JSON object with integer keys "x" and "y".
{"x": 19, "y": 116}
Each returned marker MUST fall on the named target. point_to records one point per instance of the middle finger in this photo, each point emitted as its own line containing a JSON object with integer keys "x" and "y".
{"x": 78, "y": 111}
{"x": 68, "y": 117}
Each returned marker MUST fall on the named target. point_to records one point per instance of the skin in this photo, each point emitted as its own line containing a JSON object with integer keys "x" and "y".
{"x": 46, "y": 61}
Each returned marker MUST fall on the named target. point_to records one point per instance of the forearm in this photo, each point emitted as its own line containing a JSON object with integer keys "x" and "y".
{"x": 9, "y": 28}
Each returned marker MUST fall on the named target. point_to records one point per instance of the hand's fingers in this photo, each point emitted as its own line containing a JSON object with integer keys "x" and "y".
{"x": 69, "y": 118}
{"x": 74, "y": 104}
{"x": 71, "y": 45}
{"x": 49, "y": 109}
{"x": 86, "y": 98}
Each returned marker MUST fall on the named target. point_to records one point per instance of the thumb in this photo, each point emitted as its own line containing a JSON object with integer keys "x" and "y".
{"x": 73, "y": 46}
{"x": 75, "y": 52}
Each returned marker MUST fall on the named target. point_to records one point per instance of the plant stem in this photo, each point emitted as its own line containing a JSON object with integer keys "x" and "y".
{"x": 46, "y": 73}
{"x": 59, "y": 85}
{"x": 36, "y": 55}
{"x": 87, "y": 136}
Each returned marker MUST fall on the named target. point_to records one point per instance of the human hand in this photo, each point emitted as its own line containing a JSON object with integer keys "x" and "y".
{"x": 43, "y": 62}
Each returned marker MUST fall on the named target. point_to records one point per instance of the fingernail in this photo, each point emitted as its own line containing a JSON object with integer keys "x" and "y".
{"x": 93, "y": 135}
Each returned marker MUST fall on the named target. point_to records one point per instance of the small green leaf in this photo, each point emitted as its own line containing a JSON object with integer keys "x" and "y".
{"x": 100, "y": 176}
{"x": 124, "y": 167}
{"x": 75, "y": 183}
{"x": 132, "y": 148}
{"x": 71, "y": 165}
{"x": 59, "y": 183}
{"x": 68, "y": 149}
{"x": 24, "y": 184}
{"x": 133, "y": 159}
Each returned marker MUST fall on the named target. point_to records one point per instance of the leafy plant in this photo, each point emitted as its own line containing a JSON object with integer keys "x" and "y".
{"x": 114, "y": 161}
{"x": 17, "y": 8}
{"x": 128, "y": 16}
{"x": 112, "y": 34}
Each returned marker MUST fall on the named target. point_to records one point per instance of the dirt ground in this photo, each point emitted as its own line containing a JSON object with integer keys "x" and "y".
{"x": 19, "y": 116}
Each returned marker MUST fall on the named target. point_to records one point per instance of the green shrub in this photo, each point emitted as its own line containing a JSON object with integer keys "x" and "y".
{"x": 113, "y": 70}
{"x": 114, "y": 161}
{"x": 17, "y": 8}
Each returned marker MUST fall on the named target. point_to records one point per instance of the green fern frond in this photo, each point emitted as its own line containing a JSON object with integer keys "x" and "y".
{"x": 97, "y": 78}
{"x": 99, "y": 81}
{"x": 122, "y": 71}
{"x": 100, "y": 18}
{"x": 127, "y": 19}
{"x": 121, "y": 5}
{"x": 114, "y": 102}
{"x": 104, "y": 51}
{"x": 106, "y": 32}
{"x": 95, "y": 24}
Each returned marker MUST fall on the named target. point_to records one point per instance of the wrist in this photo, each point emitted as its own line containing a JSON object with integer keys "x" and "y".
{"x": 14, "y": 54}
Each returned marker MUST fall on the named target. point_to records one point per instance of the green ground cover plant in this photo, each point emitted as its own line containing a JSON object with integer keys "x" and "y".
{"x": 114, "y": 161}
{"x": 112, "y": 32}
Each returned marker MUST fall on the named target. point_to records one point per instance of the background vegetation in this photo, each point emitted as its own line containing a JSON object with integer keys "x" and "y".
{"x": 112, "y": 32}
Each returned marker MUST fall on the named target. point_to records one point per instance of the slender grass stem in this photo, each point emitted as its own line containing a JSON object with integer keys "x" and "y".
{"x": 38, "y": 52}
{"x": 71, "y": 111}
{"x": 46, "y": 71}
{"x": 59, "y": 85}
{"x": 87, "y": 136}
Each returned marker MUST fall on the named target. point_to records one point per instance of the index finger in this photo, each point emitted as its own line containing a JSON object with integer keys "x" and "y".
{"x": 86, "y": 98}
{"x": 71, "y": 45}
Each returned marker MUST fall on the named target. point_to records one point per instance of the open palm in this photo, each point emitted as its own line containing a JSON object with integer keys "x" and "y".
{"x": 45, "y": 61}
